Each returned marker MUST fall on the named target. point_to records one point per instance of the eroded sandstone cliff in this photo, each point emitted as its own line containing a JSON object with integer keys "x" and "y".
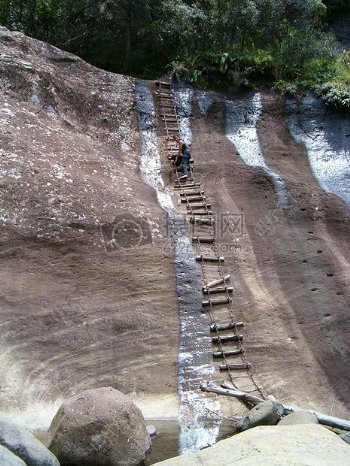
{"x": 78, "y": 310}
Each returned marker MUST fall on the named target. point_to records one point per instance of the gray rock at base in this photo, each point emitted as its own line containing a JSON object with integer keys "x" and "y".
{"x": 299, "y": 417}
{"x": 346, "y": 437}
{"x": 267, "y": 413}
{"x": 302, "y": 445}
{"x": 99, "y": 427}
{"x": 151, "y": 430}
{"x": 7, "y": 458}
{"x": 25, "y": 445}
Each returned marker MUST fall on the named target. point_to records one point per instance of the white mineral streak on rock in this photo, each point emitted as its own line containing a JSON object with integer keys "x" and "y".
{"x": 204, "y": 101}
{"x": 242, "y": 116}
{"x": 195, "y": 360}
{"x": 198, "y": 414}
{"x": 150, "y": 165}
{"x": 183, "y": 99}
{"x": 327, "y": 140}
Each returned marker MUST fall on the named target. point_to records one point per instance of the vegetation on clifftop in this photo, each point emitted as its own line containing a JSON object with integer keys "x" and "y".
{"x": 240, "y": 43}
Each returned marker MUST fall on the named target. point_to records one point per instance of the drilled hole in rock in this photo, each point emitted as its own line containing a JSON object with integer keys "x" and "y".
{"x": 319, "y": 251}
{"x": 330, "y": 274}
{"x": 339, "y": 293}
{"x": 305, "y": 261}
{"x": 327, "y": 314}
{"x": 310, "y": 232}
{"x": 302, "y": 209}
{"x": 314, "y": 289}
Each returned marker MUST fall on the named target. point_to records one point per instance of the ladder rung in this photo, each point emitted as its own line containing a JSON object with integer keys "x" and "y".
{"x": 191, "y": 193}
{"x": 190, "y": 185}
{"x": 232, "y": 367}
{"x": 202, "y": 239}
{"x": 225, "y": 354}
{"x": 210, "y": 259}
{"x": 216, "y": 302}
{"x": 198, "y": 206}
{"x": 204, "y": 212}
{"x": 221, "y": 289}
{"x": 163, "y": 83}
{"x": 202, "y": 221}
{"x": 218, "y": 281}
{"x": 221, "y": 327}
{"x": 194, "y": 199}
{"x": 225, "y": 338}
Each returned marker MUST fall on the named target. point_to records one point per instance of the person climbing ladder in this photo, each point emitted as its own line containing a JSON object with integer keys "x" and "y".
{"x": 183, "y": 158}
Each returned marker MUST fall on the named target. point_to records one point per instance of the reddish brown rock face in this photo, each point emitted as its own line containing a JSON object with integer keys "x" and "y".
{"x": 290, "y": 270}
{"x": 78, "y": 309}
{"x": 88, "y": 293}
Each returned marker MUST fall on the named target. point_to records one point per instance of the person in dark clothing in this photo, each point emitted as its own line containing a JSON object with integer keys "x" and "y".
{"x": 183, "y": 158}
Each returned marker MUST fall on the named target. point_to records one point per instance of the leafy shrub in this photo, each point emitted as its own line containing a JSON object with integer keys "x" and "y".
{"x": 335, "y": 95}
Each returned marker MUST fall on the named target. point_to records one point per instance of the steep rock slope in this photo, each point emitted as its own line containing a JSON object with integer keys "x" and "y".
{"x": 87, "y": 285}
{"x": 290, "y": 268}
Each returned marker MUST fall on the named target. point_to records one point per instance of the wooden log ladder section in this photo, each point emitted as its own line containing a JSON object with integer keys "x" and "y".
{"x": 218, "y": 296}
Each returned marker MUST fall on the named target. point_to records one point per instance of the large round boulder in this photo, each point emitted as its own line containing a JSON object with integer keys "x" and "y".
{"x": 23, "y": 444}
{"x": 99, "y": 427}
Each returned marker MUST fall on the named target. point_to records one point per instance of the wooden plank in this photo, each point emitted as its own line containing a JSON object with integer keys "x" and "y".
{"x": 189, "y": 185}
{"x": 194, "y": 199}
{"x": 202, "y": 239}
{"x": 246, "y": 397}
{"x": 198, "y": 206}
{"x": 209, "y": 213}
{"x": 221, "y": 289}
{"x": 233, "y": 367}
{"x": 225, "y": 354}
{"x": 225, "y": 338}
{"x": 191, "y": 193}
{"x": 162, "y": 83}
{"x": 202, "y": 221}
{"x": 219, "y": 281}
{"x": 216, "y": 301}
{"x": 210, "y": 258}
{"x": 220, "y": 327}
